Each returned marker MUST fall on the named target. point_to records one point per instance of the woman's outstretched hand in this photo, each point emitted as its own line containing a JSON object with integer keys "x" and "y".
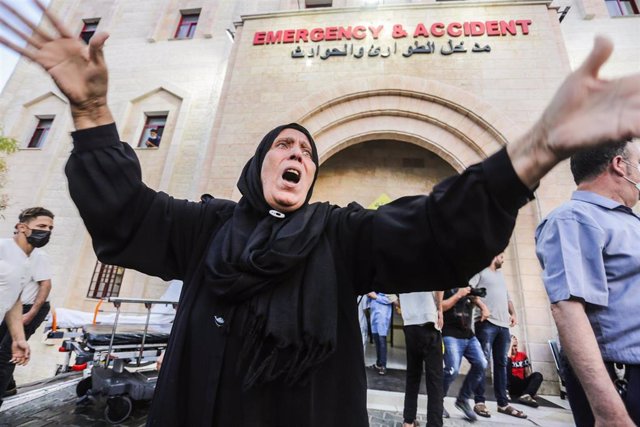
{"x": 585, "y": 111}
{"x": 78, "y": 70}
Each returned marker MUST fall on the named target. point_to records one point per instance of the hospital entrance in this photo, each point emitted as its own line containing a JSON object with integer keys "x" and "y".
{"x": 373, "y": 173}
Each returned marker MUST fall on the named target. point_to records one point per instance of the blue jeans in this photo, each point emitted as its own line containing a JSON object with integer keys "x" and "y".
{"x": 454, "y": 349}
{"x": 495, "y": 342}
{"x": 381, "y": 349}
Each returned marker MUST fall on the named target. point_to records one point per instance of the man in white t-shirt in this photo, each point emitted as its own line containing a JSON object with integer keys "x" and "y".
{"x": 27, "y": 284}
{"x": 422, "y": 317}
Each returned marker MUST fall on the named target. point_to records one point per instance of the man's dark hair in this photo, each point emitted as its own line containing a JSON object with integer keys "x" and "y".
{"x": 30, "y": 214}
{"x": 589, "y": 163}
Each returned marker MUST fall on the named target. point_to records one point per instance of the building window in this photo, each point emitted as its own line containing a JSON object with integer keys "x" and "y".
{"x": 317, "y": 3}
{"x": 106, "y": 281}
{"x": 152, "y": 131}
{"x": 623, "y": 7}
{"x": 89, "y": 29}
{"x": 187, "y": 25}
{"x": 40, "y": 134}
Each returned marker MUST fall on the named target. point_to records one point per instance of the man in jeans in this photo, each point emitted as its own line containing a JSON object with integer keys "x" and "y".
{"x": 422, "y": 317}
{"x": 493, "y": 334}
{"x": 460, "y": 341}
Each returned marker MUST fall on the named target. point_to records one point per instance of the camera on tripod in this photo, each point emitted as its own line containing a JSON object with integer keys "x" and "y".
{"x": 478, "y": 292}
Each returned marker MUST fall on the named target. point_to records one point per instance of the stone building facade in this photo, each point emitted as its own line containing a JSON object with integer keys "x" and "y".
{"x": 398, "y": 94}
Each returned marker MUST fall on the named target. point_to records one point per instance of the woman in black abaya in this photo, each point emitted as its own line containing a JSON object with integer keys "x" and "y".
{"x": 266, "y": 331}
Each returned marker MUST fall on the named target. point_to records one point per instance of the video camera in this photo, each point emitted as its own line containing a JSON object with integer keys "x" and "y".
{"x": 478, "y": 292}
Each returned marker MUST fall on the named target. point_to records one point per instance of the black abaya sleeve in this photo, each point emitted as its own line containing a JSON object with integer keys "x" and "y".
{"x": 132, "y": 225}
{"x": 438, "y": 241}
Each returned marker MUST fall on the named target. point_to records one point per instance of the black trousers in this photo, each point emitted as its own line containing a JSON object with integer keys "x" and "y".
{"x": 582, "y": 414}
{"x": 424, "y": 348}
{"x": 529, "y": 385}
{"x": 6, "y": 367}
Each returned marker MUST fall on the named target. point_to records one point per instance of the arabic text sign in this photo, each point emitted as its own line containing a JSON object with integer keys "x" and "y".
{"x": 374, "y": 51}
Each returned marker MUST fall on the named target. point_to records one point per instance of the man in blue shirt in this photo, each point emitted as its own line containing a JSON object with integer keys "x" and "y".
{"x": 589, "y": 250}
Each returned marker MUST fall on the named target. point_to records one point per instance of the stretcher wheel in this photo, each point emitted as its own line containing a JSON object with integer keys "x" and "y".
{"x": 118, "y": 409}
{"x": 83, "y": 387}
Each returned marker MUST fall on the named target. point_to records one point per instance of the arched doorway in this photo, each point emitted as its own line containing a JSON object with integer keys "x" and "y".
{"x": 364, "y": 172}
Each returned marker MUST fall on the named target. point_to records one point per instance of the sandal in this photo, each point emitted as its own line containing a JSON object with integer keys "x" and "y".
{"x": 482, "y": 410}
{"x": 526, "y": 399}
{"x": 510, "y": 410}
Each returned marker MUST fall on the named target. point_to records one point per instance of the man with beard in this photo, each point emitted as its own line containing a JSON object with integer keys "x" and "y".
{"x": 493, "y": 334}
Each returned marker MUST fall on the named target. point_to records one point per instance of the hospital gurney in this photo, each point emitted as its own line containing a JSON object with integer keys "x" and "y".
{"x": 104, "y": 351}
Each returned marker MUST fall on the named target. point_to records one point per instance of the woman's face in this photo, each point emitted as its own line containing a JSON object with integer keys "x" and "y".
{"x": 288, "y": 171}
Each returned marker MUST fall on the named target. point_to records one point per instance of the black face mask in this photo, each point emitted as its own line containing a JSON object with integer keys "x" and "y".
{"x": 38, "y": 238}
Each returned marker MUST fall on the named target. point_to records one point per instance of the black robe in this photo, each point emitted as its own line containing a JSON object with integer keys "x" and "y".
{"x": 413, "y": 244}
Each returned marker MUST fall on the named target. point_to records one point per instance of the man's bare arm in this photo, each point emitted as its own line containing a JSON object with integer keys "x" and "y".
{"x": 448, "y": 303}
{"x": 437, "y": 298}
{"x": 513, "y": 318}
{"x": 580, "y": 345}
{"x": 484, "y": 310}
{"x": 20, "y": 352}
{"x": 41, "y": 297}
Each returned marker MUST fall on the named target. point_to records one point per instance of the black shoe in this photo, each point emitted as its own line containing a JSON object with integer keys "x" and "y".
{"x": 10, "y": 392}
{"x": 382, "y": 371}
{"x": 464, "y": 406}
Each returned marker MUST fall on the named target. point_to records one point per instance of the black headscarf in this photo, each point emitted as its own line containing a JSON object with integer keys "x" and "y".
{"x": 277, "y": 274}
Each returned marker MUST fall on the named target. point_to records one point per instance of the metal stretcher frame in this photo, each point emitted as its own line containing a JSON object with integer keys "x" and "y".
{"x": 119, "y": 386}
{"x": 113, "y": 340}
{"x": 148, "y": 304}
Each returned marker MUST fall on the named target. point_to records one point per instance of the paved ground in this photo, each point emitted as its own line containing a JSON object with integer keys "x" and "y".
{"x": 54, "y": 404}
{"x": 385, "y": 410}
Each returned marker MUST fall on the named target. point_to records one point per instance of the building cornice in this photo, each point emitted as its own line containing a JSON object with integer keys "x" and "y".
{"x": 383, "y": 8}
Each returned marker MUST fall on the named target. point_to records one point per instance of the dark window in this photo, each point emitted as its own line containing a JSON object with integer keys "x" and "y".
{"x": 623, "y": 7}
{"x": 40, "y": 134}
{"x": 106, "y": 281}
{"x": 317, "y": 3}
{"x": 187, "y": 25}
{"x": 89, "y": 29}
{"x": 152, "y": 131}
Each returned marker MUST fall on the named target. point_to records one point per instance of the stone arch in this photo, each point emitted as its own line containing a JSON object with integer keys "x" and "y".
{"x": 451, "y": 122}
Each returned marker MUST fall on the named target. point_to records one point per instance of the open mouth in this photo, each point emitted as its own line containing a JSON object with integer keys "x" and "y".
{"x": 291, "y": 175}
